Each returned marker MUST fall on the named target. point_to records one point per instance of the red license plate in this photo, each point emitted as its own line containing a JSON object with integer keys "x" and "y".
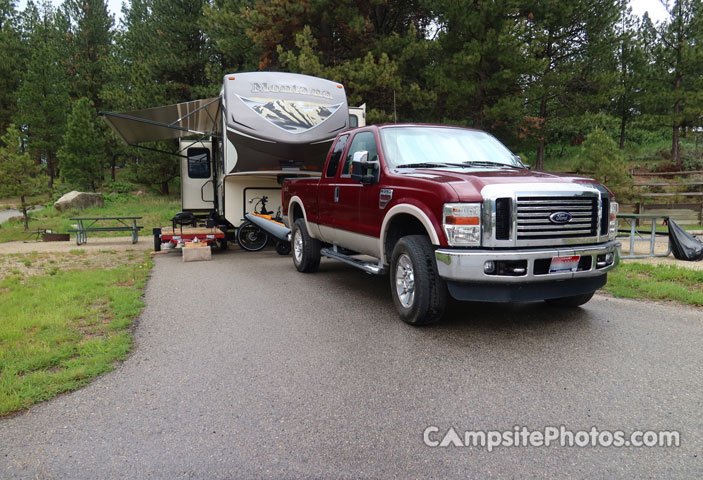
{"x": 564, "y": 264}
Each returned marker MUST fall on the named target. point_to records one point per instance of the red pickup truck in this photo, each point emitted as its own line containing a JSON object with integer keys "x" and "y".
{"x": 451, "y": 211}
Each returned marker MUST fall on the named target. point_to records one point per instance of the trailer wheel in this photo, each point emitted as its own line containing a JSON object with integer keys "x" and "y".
{"x": 570, "y": 302}
{"x": 157, "y": 242}
{"x": 306, "y": 250}
{"x": 419, "y": 293}
{"x": 222, "y": 243}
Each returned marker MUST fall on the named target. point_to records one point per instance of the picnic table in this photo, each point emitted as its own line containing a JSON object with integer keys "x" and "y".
{"x": 632, "y": 219}
{"x": 98, "y": 224}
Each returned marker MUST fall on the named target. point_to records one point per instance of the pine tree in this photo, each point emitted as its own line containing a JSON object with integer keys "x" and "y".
{"x": 83, "y": 151}
{"x": 43, "y": 98}
{"x": 90, "y": 39}
{"x": 20, "y": 176}
{"x": 601, "y": 158}
{"x": 675, "y": 89}
{"x": 569, "y": 41}
{"x": 631, "y": 66}
{"x": 478, "y": 79}
{"x": 12, "y": 60}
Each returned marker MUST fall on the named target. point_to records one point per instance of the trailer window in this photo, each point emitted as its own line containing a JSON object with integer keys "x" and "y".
{"x": 336, "y": 156}
{"x": 353, "y": 121}
{"x": 198, "y": 163}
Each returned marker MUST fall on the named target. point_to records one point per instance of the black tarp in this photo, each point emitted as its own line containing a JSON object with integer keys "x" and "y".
{"x": 684, "y": 246}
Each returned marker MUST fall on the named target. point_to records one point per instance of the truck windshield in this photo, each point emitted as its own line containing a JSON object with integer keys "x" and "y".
{"x": 444, "y": 146}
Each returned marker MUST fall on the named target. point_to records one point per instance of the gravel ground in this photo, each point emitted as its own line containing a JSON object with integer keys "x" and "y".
{"x": 244, "y": 368}
{"x": 661, "y": 246}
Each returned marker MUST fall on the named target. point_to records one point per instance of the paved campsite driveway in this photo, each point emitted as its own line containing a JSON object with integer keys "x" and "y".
{"x": 244, "y": 368}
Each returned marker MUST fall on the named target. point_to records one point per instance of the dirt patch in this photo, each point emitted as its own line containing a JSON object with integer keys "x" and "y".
{"x": 94, "y": 244}
{"x": 26, "y": 265}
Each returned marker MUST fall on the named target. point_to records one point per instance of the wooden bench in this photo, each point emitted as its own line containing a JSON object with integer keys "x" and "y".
{"x": 88, "y": 224}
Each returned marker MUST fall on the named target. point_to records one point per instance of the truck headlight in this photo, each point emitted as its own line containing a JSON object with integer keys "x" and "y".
{"x": 613, "y": 225}
{"x": 462, "y": 224}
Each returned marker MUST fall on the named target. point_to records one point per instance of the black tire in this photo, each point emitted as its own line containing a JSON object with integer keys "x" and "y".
{"x": 570, "y": 302}
{"x": 222, "y": 243}
{"x": 157, "y": 242}
{"x": 283, "y": 248}
{"x": 423, "y": 298}
{"x": 251, "y": 238}
{"x": 306, "y": 250}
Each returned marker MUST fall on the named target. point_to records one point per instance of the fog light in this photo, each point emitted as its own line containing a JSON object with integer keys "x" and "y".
{"x": 609, "y": 257}
{"x": 489, "y": 267}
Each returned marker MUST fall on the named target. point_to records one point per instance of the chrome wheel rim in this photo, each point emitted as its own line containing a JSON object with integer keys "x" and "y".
{"x": 298, "y": 246}
{"x": 405, "y": 281}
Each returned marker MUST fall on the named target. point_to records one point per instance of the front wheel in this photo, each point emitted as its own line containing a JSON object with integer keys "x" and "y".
{"x": 250, "y": 237}
{"x": 419, "y": 293}
{"x": 570, "y": 302}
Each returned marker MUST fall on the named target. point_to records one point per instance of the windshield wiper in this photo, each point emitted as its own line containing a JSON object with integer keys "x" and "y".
{"x": 431, "y": 165}
{"x": 488, "y": 163}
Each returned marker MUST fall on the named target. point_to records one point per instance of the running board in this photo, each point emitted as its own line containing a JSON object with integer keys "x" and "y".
{"x": 368, "y": 267}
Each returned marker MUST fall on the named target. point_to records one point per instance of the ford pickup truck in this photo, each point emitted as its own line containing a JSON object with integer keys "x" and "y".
{"x": 451, "y": 211}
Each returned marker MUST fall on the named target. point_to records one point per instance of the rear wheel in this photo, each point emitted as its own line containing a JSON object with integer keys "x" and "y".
{"x": 250, "y": 237}
{"x": 306, "y": 250}
{"x": 570, "y": 302}
{"x": 419, "y": 293}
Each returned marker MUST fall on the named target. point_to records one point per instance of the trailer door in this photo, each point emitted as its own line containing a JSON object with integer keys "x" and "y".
{"x": 197, "y": 189}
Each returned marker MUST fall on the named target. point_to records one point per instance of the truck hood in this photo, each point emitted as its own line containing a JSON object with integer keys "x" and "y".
{"x": 469, "y": 183}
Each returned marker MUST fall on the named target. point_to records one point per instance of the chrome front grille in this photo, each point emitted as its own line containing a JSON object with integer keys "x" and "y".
{"x": 535, "y": 219}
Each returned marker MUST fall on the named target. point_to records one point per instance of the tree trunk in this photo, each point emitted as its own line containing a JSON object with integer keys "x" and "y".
{"x": 542, "y": 133}
{"x": 164, "y": 188}
{"x": 24, "y": 213}
{"x": 623, "y": 123}
{"x": 675, "y": 151}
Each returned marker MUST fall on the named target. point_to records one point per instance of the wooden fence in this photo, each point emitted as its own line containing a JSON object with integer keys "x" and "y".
{"x": 682, "y": 213}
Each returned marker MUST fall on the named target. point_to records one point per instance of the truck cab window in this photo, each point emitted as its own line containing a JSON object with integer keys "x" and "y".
{"x": 336, "y": 156}
{"x": 364, "y": 141}
{"x": 198, "y": 163}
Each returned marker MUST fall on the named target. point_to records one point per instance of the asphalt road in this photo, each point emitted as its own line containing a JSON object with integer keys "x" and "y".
{"x": 245, "y": 368}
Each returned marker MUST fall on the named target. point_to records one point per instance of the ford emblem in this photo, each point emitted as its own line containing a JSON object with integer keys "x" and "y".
{"x": 560, "y": 217}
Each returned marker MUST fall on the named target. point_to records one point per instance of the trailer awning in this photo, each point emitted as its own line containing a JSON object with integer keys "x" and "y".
{"x": 197, "y": 117}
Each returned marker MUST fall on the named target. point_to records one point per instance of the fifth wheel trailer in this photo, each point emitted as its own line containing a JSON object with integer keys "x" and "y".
{"x": 262, "y": 128}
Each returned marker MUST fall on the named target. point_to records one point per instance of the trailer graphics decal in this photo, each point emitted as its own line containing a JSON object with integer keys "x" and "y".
{"x": 293, "y": 116}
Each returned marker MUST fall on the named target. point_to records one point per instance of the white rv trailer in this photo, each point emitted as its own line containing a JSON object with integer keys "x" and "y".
{"x": 263, "y": 127}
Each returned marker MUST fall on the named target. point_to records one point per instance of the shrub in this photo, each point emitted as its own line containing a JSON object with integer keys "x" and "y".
{"x": 600, "y": 155}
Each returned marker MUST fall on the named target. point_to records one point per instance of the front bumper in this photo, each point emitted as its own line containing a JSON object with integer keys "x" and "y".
{"x": 465, "y": 265}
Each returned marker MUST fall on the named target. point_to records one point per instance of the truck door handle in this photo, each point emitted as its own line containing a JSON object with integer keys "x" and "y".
{"x": 336, "y": 194}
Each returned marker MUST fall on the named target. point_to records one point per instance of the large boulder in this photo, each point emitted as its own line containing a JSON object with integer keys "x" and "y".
{"x": 79, "y": 200}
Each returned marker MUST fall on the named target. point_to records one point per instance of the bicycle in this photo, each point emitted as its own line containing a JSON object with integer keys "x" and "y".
{"x": 252, "y": 238}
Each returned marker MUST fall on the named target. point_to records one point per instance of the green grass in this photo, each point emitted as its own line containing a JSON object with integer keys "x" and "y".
{"x": 155, "y": 210}
{"x": 656, "y": 282}
{"x": 61, "y": 329}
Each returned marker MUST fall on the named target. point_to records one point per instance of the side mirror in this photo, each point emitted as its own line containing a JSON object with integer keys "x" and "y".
{"x": 362, "y": 170}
